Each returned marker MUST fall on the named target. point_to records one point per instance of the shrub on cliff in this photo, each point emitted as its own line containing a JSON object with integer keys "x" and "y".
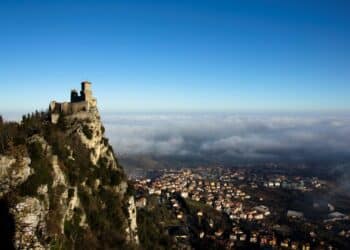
{"x": 87, "y": 132}
{"x": 42, "y": 170}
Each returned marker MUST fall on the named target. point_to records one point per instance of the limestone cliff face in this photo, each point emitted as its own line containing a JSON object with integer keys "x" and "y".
{"x": 13, "y": 172}
{"x": 67, "y": 191}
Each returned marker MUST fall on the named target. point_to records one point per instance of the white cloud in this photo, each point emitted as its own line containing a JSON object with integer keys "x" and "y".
{"x": 236, "y": 135}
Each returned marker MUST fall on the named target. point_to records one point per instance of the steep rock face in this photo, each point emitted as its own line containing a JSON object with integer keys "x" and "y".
{"x": 13, "y": 172}
{"x": 90, "y": 132}
{"x": 132, "y": 227}
{"x": 68, "y": 190}
{"x": 29, "y": 216}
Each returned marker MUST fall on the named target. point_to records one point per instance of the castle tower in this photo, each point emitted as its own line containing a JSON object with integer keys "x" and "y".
{"x": 86, "y": 92}
{"x": 74, "y": 97}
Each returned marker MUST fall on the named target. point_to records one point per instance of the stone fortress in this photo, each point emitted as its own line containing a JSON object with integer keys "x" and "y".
{"x": 83, "y": 102}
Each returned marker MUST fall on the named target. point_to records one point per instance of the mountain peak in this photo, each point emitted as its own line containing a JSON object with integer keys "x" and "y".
{"x": 72, "y": 192}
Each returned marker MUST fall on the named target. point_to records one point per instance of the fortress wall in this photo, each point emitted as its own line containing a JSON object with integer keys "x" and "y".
{"x": 82, "y": 102}
{"x": 65, "y": 108}
{"x": 79, "y": 106}
{"x": 68, "y": 108}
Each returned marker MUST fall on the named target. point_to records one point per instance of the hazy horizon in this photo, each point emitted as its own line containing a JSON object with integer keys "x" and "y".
{"x": 263, "y": 136}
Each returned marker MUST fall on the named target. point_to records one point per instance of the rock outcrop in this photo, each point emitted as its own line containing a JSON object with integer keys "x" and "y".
{"x": 29, "y": 217}
{"x": 67, "y": 189}
{"x": 13, "y": 172}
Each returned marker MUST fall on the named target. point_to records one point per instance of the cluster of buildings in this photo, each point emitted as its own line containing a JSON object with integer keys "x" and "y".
{"x": 223, "y": 196}
{"x": 295, "y": 183}
{"x": 237, "y": 193}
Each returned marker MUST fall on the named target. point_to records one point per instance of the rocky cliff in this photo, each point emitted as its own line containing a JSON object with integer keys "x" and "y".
{"x": 61, "y": 186}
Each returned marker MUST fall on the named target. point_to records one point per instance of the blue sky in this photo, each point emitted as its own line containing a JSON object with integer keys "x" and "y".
{"x": 177, "y": 55}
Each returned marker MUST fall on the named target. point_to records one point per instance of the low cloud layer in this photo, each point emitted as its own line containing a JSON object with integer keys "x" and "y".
{"x": 232, "y": 136}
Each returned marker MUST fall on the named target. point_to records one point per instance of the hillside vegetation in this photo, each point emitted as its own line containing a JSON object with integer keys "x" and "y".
{"x": 61, "y": 186}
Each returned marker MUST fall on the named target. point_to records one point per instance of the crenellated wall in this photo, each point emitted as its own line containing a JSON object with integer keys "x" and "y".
{"x": 83, "y": 102}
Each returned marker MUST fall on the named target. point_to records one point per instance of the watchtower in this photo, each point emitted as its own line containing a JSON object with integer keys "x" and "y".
{"x": 86, "y": 93}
